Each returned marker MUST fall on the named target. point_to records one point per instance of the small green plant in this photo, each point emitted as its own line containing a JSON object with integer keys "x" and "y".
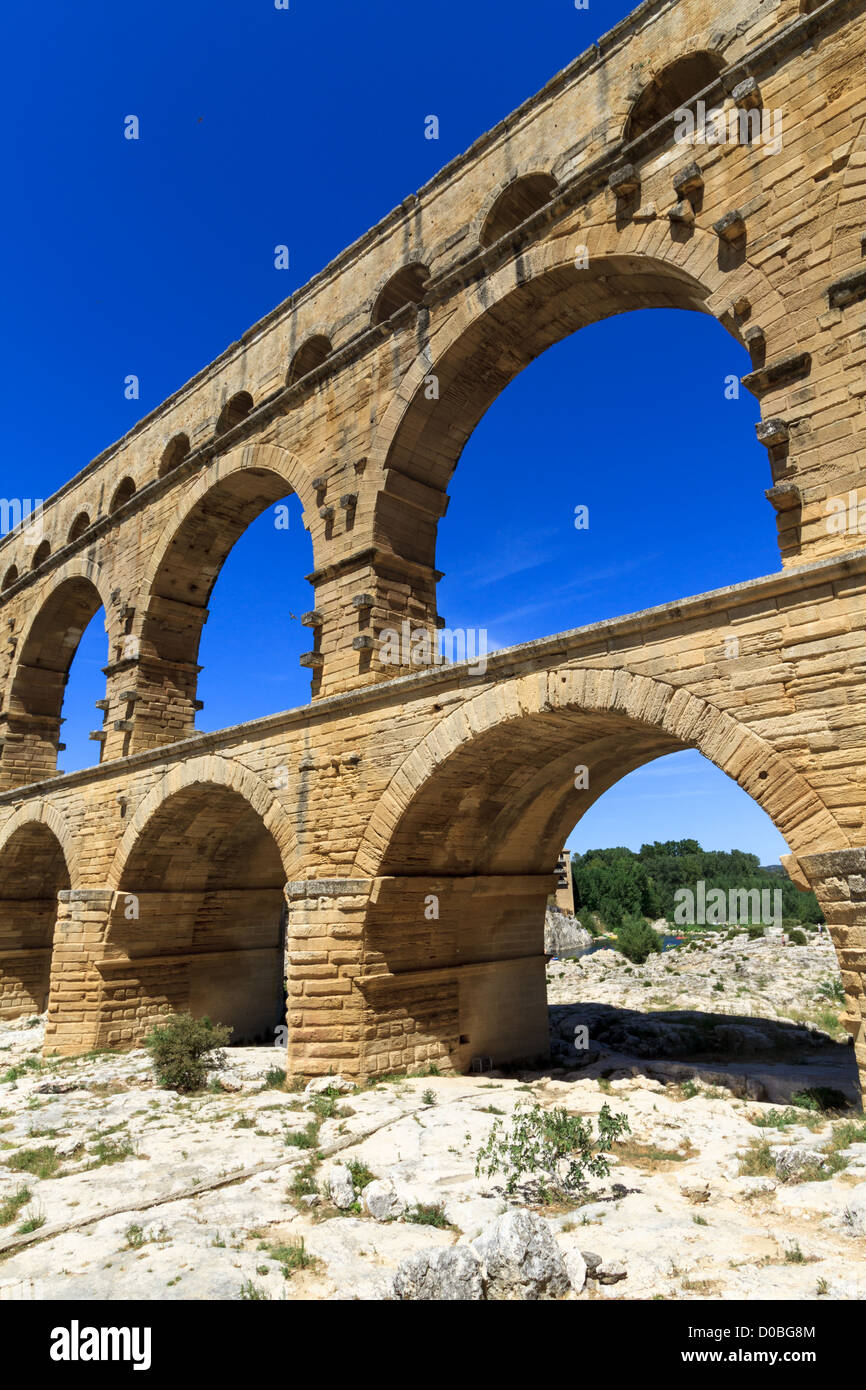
{"x": 820, "y": 1098}
{"x": 292, "y": 1257}
{"x": 251, "y": 1293}
{"x": 305, "y": 1138}
{"x": 11, "y": 1205}
{"x": 361, "y": 1174}
{"x": 32, "y": 1223}
{"x": 422, "y": 1214}
{"x": 822, "y": 1288}
{"x": 134, "y": 1237}
{"x": 557, "y": 1151}
{"x": 797, "y": 937}
{"x": 275, "y": 1079}
{"x": 757, "y": 1161}
{"x": 42, "y": 1162}
{"x": 304, "y": 1182}
{"x": 15, "y": 1073}
{"x": 428, "y": 1097}
{"x": 110, "y": 1151}
{"x": 184, "y": 1049}
{"x": 833, "y": 990}
{"x": 794, "y": 1255}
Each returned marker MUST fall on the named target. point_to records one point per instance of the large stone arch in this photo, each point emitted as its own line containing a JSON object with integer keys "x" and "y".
{"x": 682, "y": 720}
{"x": 171, "y": 606}
{"x": 205, "y": 771}
{"x": 37, "y": 864}
{"x": 461, "y": 849}
{"x": 196, "y": 921}
{"x": 37, "y": 679}
{"x": 503, "y": 322}
{"x": 42, "y": 812}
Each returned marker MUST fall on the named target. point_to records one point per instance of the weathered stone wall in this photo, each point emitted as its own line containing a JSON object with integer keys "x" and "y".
{"x": 392, "y": 787}
{"x": 767, "y": 239}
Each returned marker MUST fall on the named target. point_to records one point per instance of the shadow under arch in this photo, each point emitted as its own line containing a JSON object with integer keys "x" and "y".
{"x": 198, "y": 921}
{"x": 224, "y": 501}
{"x": 506, "y": 322}
{"x": 33, "y": 869}
{"x": 38, "y": 679}
{"x": 464, "y": 842}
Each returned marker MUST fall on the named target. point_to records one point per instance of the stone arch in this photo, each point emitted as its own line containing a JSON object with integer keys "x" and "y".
{"x": 217, "y": 772}
{"x": 78, "y": 527}
{"x": 463, "y": 845}
{"x": 509, "y": 319}
{"x": 35, "y": 867}
{"x": 406, "y": 286}
{"x": 236, "y": 408}
{"x": 512, "y": 202}
{"x": 40, "y": 554}
{"x": 37, "y": 680}
{"x": 211, "y": 516}
{"x": 9, "y": 577}
{"x": 675, "y": 85}
{"x": 660, "y": 719}
{"x": 122, "y": 494}
{"x": 42, "y": 812}
{"x": 313, "y": 352}
{"x": 198, "y": 920}
{"x": 173, "y": 455}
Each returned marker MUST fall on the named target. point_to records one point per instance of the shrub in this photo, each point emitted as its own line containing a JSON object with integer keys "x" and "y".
{"x": 556, "y": 1150}
{"x": 183, "y": 1049}
{"x": 832, "y": 989}
{"x": 636, "y": 939}
{"x": 797, "y": 937}
{"x": 427, "y": 1214}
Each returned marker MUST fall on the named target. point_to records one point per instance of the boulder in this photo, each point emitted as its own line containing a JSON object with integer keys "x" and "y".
{"x": 792, "y": 1163}
{"x": 380, "y": 1199}
{"x": 341, "y": 1187}
{"x": 440, "y": 1275}
{"x": 575, "y": 1268}
{"x": 521, "y": 1258}
{"x": 323, "y": 1084}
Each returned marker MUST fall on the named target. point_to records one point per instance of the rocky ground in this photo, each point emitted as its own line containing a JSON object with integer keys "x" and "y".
{"x": 113, "y": 1188}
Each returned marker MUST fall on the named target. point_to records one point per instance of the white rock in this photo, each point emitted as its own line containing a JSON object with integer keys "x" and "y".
{"x": 380, "y": 1199}
{"x": 440, "y": 1275}
{"x": 695, "y": 1190}
{"x": 521, "y": 1258}
{"x": 341, "y": 1187}
{"x": 575, "y": 1268}
{"x": 323, "y": 1084}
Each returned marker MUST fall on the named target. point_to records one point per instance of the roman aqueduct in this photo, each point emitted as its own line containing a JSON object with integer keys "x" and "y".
{"x": 336, "y": 822}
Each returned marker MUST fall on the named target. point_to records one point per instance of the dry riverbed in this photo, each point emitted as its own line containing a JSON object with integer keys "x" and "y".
{"x": 113, "y": 1188}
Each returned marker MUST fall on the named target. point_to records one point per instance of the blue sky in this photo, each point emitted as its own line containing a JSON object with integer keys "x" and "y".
{"x": 261, "y": 127}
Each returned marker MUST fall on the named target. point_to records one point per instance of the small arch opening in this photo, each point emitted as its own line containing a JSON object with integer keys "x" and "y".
{"x": 78, "y": 527}
{"x": 518, "y": 201}
{"x": 237, "y": 408}
{"x": 124, "y": 491}
{"x": 174, "y": 454}
{"x": 40, "y": 555}
{"x": 9, "y": 577}
{"x": 308, "y": 357}
{"x": 674, "y": 87}
{"x": 406, "y": 287}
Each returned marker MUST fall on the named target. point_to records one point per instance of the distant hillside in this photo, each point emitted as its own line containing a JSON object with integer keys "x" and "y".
{"x": 617, "y": 883}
